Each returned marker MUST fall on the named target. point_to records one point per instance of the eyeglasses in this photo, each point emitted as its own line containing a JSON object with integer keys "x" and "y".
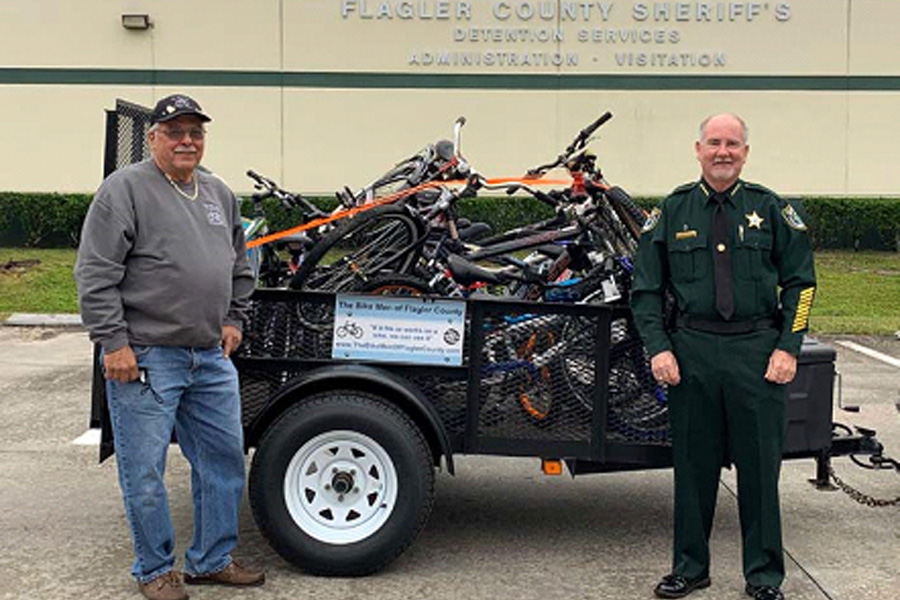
{"x": 176, "y": 134}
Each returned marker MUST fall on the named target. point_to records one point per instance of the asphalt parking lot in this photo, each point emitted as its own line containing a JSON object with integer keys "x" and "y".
{"x": 500, "y": 529}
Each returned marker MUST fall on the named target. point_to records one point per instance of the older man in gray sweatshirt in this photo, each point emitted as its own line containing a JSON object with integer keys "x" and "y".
{"x": 163, "y": 285}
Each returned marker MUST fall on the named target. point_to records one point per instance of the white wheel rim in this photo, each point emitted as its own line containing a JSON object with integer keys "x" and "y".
{"x": 340, "y": 487}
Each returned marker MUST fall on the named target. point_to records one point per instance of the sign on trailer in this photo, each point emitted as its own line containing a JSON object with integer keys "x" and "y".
{"x": 392, "y": 329}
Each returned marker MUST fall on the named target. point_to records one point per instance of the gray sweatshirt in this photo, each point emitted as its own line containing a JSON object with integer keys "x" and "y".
{"x": 156, "y": 268}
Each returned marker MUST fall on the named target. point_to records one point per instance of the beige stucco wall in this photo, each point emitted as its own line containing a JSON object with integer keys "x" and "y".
{"x": 317, "y": 139}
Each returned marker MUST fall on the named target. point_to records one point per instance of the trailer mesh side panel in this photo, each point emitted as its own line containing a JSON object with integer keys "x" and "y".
{"x": 524, "y": 392}
{"x": 637, "y": 409}
{"x": 289, "y": 329}
{"x": 448, "y": 397}
{"x": 258, "y": 388}
{"x": 537, "y": 380}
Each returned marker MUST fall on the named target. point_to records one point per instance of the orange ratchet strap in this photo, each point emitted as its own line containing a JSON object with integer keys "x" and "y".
{"x": 391, "y": 198}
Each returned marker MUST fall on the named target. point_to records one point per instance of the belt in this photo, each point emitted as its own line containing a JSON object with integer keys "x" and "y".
{"x": 726, "y": 327}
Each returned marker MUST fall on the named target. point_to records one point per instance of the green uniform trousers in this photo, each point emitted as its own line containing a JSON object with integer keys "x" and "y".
{"x": 722, "y": 412}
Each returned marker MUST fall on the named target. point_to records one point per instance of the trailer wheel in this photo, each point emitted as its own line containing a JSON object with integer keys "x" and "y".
{"x": 342, "y": 484}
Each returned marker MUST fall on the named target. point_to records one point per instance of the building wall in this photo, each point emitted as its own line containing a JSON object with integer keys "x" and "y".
{"x": 320, "y": 94}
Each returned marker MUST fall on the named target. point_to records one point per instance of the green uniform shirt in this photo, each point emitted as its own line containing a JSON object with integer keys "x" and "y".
{"x": 770, "y": 250}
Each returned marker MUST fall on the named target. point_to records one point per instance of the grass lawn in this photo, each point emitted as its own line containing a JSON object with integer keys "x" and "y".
{"x": 859, "y": 292}
{"x": 47, "y": 287}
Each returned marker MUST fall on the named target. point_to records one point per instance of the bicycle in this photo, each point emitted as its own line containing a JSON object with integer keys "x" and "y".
{"x": 269, "y": 269}
{"x": 441, "y": 161}
{"x": 277, "y": 331}
{"x": 389, "y": 235}
{"x": 430, "y": 234}
{"x": 533, "y": 353}
{"x": 591, "y": 238}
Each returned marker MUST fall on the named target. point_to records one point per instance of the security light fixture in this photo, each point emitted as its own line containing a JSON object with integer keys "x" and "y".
{"x": 136, "y": 22}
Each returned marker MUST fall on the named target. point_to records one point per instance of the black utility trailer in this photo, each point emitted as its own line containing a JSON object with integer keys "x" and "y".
{"x": 342, "y": 479}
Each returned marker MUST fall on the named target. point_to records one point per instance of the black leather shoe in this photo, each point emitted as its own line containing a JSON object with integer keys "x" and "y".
{"x": 676, "y": 586}
{"x": 764, "y": 592}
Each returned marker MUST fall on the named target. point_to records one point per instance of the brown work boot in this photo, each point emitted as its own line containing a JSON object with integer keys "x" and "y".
{"x": 235, "y": 574}
{"x": 165, "y": 587}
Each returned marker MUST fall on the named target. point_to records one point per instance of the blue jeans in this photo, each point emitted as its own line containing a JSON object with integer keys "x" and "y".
{"x": 194, "y": 391}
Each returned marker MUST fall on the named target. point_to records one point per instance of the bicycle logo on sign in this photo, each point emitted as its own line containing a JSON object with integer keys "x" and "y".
{"x": 349, "y": 328}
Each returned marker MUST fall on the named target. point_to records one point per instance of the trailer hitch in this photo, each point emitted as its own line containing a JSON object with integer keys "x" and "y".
{"x": 844, "y": 442}
{"x": 862, "y": 444}
{"x": 880, "y": 462}
{"x": 877, "y": 459}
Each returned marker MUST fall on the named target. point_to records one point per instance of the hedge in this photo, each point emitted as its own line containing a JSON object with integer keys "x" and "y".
{"x": 54, "y": 220}
{"x": 850, "y": 223}
{"x": 868, "y": 223}
{"x": 41, "y": 220}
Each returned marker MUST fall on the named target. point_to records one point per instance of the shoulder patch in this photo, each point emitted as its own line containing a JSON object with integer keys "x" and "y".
{"x": 652, "y": 220}
{"x": 792, "y": 218}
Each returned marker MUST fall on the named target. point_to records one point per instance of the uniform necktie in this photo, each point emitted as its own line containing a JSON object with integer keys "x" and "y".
{"x": 722, "y": 258}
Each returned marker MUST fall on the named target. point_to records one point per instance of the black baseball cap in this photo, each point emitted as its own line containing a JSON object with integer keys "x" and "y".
{"x": 175, "y": 106}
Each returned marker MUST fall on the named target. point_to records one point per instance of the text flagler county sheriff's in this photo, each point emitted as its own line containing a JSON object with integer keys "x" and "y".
{"x": 548, "y": 33}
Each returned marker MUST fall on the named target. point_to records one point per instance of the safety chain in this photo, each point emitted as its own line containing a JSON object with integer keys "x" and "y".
{"x": 859, "y": 496}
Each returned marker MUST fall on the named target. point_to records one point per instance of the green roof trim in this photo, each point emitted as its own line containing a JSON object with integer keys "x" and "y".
{"x": 479, "y": 81}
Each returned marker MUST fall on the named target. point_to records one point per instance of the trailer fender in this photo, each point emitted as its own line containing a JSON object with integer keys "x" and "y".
{"x": 399, "y": 391}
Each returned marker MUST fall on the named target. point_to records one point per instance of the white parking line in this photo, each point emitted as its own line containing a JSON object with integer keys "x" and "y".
{"x": 869, "y": 352}
{"x": 91, "y": 437}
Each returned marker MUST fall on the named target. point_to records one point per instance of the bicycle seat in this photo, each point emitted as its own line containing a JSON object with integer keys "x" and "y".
{"x": 474, "y": 231}
{"x": 468, "y": 273}
{"x": 444, "y": 149}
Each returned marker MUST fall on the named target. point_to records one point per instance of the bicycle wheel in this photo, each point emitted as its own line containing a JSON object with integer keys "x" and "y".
{"x": 637, "y": 407}
{"x": 408, "y": 173}
{"x": 535, "y": 393}
{"x": 612, "y": 230}
{"x": 627, "y": 209}
{"x": 382, "y": 239}
{"x": 401, "y": 177}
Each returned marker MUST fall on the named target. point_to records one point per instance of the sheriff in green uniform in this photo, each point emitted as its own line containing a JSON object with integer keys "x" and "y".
{"x": 737, "y": 259}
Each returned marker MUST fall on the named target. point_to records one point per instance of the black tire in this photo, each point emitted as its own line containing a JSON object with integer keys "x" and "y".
{"x": 613, "y": 231}
{"x": 403, "y": 176}
{"x": 637, "y": 409}
{"x": 628, "y": 211}
{"x": 385, "y": 238}
{"x": 346, "y": 441}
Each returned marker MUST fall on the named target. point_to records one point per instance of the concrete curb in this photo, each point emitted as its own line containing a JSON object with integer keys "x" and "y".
{"x": 44, "y": 320}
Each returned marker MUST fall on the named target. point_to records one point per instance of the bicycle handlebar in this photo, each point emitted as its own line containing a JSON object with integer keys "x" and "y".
{"x": 288, "y": 199}
{"x": 577, "y": 144}
{"x": 585, "y": 133}
{"x": 477, "y": 182}
{"x": 457, "y": 127}
{"x": 261, "y": 180}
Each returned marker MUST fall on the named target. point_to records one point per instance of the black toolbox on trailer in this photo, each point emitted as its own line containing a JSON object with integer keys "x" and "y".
{"x": 808, "y": 412}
